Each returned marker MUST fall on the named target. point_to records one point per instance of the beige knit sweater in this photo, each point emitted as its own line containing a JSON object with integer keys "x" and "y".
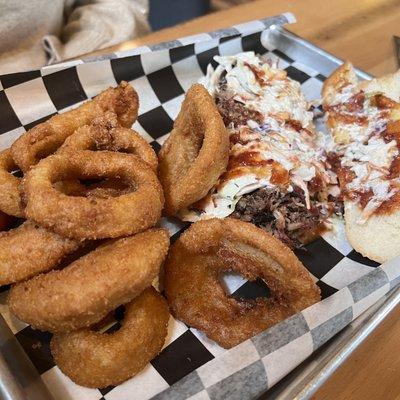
{"x": 37, "y": 32}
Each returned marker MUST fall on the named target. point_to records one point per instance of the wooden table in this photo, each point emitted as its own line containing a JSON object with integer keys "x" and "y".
{"x": 361, "y": 31}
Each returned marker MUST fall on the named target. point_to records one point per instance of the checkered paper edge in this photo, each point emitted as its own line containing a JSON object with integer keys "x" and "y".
{"x": 252, "y": 367}
{"x": 35, "y": 96}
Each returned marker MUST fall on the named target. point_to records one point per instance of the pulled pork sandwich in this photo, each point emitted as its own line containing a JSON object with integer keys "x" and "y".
{"x": 364, "y": 121}
{"x": 277, "y": 176}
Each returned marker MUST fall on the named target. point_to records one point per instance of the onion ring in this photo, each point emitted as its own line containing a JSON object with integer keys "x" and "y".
{"x": 84, "y": 292}
{"x": 29, "y": 250}
{"x": 209, "y": 248}
{"x": 104, "y": 133}
{"x": 98, "y": 360}
{"x": 87, "y": 218}
{"x": 10, "y": 199}
{"x": 196, "y": 152}
{"x": 47, "y": 137}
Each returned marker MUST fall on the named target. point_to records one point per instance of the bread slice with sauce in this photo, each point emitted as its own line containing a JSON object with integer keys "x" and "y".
{"x": 389, "y": 85}
{"x": 379, "y": 237}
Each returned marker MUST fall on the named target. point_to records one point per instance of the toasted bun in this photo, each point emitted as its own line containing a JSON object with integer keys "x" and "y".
{"x": 389, "y": 85}
{"x": 342, "y": 76}
{"x": 377, "y": 239}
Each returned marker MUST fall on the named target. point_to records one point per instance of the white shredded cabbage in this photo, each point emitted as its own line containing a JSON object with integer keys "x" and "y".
{"x": 263, "y": 87}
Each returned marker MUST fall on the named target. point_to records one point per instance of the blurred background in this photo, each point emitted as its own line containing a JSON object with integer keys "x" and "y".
{"x": 171, "y": 12}
{"x": 57, "y": 30}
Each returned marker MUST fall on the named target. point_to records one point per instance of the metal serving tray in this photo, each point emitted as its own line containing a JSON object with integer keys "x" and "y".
{"x": 20, "y": 379}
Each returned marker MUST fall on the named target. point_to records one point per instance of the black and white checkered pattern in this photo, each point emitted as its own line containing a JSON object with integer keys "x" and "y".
{"x": 191, "y": 365}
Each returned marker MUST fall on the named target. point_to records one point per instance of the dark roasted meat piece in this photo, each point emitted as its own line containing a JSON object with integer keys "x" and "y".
{"x": 284, "y": 215}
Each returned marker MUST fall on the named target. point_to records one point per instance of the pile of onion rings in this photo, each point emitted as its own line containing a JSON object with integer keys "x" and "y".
{"x": 100, "y": 183}
{"x": 88, "y": 176}
{"x": 209, "y": 248}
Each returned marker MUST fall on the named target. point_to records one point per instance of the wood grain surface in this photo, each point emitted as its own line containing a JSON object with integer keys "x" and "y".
{"x": 361, "y": 31}
{"x": 373, "y": 371}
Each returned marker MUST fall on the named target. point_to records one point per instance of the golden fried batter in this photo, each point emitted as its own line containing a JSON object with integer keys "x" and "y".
{"x": 29, "y": 250}
{"x": 104, "y": 133}
{"x": 47, "y": 137}
{"x": 88, "y": 289}
{"x": 211, "y": 247}
{"x": 88, "y": 218}
{"x": 196, "y": 152}
{"x": 98, "y": 360}
{"x": 10, "y": 198}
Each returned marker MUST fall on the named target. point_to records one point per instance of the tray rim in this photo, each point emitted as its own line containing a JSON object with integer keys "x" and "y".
{"x": 341, "y": 349}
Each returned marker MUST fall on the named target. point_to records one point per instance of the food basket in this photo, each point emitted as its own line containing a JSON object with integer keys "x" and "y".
{"x": 357, "y": 293}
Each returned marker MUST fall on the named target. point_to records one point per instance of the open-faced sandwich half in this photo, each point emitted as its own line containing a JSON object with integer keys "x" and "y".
{"x": 364, "y": 120}
{"x": 277, "y": 175}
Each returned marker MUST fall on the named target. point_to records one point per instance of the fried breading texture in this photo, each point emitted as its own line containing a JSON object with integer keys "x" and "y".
{"x": 103, "y": 190}
{"x": 88, "y": 289}
{"x": 196, "y": 152}
{"x": 30, "y": 250}
{"x": 47, "y": 137}
{"x": 10, "y": 198}
{"x": 104, "y": 133}
{"x": 11, "y": 202}
{"x": 209, "y": 248}
{"x": 98, "y": 360}
{"x": 88, "y": 218}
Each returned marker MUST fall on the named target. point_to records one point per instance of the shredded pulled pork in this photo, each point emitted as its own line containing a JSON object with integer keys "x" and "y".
{"x": 277, "y": 176}
{"x": 284, "y": 215}
{"x": 233, "y": 112}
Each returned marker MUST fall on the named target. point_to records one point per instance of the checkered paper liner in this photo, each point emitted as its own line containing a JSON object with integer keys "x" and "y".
{"x": 190, "y": 365}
